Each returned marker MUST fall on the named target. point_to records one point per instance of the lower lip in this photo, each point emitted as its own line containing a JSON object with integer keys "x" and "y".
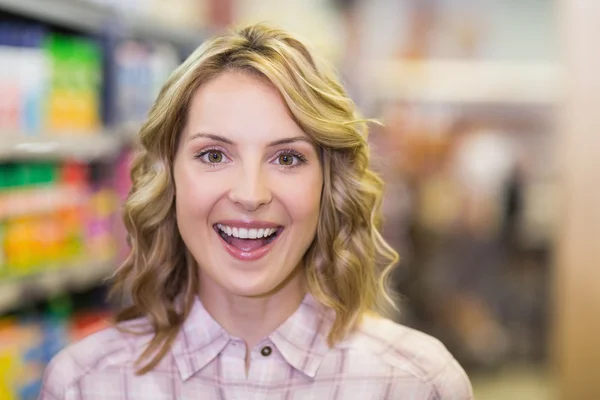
{"x": 249, "y": 255}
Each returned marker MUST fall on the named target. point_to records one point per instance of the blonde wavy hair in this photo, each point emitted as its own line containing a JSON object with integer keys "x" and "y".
{"x": 347, "y": 264}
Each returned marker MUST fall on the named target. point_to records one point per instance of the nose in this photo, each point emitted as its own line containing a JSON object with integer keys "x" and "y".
{"x": 251, "y": 189}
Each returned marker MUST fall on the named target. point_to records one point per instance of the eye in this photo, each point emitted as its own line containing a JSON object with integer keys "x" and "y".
{"x": 286, "y": 159}
{"x": 215, "y": 156}
{"x": 212, "y": 156}
{"x": 289, "y": 159}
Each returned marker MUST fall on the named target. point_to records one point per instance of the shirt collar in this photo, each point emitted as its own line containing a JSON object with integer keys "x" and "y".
{"x": 301, "y": 339}
{"x": 199, "y": 341}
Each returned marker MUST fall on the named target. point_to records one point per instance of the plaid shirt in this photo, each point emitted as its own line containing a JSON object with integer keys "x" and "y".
{"x": 381, "y": 360}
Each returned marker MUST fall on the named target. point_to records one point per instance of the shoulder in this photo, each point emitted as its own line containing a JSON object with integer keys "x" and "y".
{"x": 110, "y": 347}
{"x": 414, "y": 354}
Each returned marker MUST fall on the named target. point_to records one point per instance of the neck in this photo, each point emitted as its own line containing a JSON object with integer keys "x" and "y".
{"x": 252, "y": 318}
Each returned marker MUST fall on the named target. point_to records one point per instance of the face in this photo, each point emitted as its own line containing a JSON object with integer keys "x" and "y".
{"x": 248, "y": 186}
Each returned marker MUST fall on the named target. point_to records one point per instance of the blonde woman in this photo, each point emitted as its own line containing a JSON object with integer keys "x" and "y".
{"x": 256, "y": 270}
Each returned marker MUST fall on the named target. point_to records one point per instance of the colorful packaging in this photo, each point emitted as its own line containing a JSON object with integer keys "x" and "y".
{"x": 76, "y": 80}
{"x": 23, "y": 78}
{"x": 3, "y": 262}
{"x": 33, "y": 70}
{"x": 10, "y": 103}
{"x": 46, "y": 214}
{"x": 21, "y": 364}
{"x": 141, "y": 71}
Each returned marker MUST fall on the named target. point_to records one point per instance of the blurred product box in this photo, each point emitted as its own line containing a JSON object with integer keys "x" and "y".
{"x": 28, "y": 343}
{"x": 141, "y": 70}
{"x": 53, "y": 215}
{"x": 74, "y": 87}
{"x": 21, "y": 359}
{"x": 50, "y": 83}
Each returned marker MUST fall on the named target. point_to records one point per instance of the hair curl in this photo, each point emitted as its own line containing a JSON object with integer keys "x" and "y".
{"x": 347, "y": 264}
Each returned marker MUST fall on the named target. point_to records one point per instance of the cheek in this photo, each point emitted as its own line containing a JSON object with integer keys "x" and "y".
{"x": 195, "y": 192}
{"x": 301, "y": 196}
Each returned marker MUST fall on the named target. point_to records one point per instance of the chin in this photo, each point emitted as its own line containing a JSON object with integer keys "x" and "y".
{"x": 266, "y": 283}
{"x": 251, "y": 289}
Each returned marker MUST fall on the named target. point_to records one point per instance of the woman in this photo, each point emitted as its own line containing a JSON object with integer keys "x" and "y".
{"x": 256, "y": 266}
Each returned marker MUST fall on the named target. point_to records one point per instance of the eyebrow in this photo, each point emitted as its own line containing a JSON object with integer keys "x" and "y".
{"x": 222, "y": 139}
{"x": 210, "y": 136}
{"x": 290, "y": 140}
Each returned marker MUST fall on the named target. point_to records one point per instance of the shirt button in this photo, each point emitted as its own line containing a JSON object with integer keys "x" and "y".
{"x": 266, "y": 351}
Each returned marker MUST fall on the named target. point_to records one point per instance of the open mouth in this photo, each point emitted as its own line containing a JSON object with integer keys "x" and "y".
{"x": 247, "y": 240}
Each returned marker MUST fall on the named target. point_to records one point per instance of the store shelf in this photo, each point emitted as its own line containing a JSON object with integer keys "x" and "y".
{"x": 15, "y": 146}
{"x": 464, "y": 81}
{"x": 73, "y": 14}
{"x": 139, "y": 27}
{"x": 93, "y": 18}
{"x": 39, "y": 200}
{"x": 14, "y": 292}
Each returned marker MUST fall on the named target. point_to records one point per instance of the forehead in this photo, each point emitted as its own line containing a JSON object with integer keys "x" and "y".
{"x": 240, "y": 107}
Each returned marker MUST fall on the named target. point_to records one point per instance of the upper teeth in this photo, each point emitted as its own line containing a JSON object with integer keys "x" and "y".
{"x": 244, "y": 233}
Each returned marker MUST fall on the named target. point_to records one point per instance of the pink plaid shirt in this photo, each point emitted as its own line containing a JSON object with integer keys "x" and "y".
{"x": 381, "y": 360}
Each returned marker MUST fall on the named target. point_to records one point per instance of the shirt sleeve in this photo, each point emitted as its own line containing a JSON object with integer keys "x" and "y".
{"x": 452, "y": 383}
{"x": 60, "y": 373}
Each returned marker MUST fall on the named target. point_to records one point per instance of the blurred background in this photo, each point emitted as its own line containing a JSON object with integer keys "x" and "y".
{"x": 487, "y": 151}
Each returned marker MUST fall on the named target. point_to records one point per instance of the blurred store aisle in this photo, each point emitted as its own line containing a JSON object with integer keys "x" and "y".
{"x": 515, "y": 383}
{"x": 468, "y": 92}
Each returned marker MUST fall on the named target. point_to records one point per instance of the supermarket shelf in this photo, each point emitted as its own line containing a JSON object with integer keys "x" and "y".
{"x": 141, "y": 28}
{"x": 14, "y": 146}
{"x": 93, "y": 18}
{"x": 72, "y": 14}
{"x": 129, "y": 132}
{"x": 458, "y": 81}
{"x": 39, "y": 200}
{"x": 50, "y": 283}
